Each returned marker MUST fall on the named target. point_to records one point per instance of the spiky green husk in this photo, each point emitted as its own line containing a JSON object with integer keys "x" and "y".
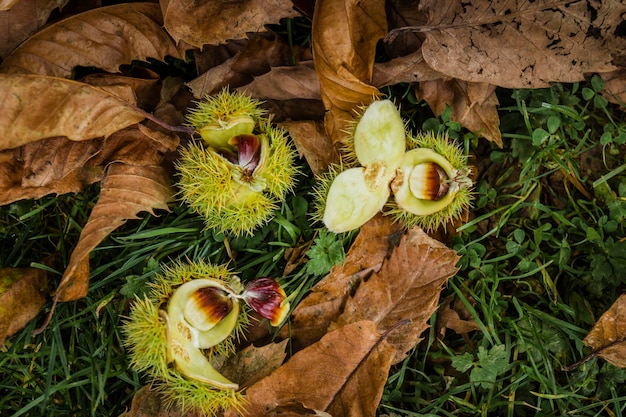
{"x": 206, "y": 178}
{"x": 190, "y": 395}
{"x": 179, "y": 273}
{"x": 345, "y": 146}
{"x": 209, "y": 186}
{"x": 220, "y": 108}
{"x": 146, "y": 339}
{"x": 441, "y": 144}
{"x": 243, "y": 219}
{"x": 279, "y": 170}
{"x": 173, "y": 276}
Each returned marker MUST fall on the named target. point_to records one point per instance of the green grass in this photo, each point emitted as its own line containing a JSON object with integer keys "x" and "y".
{"x": 77, "y": 366}
{"x": 541, "y": 261}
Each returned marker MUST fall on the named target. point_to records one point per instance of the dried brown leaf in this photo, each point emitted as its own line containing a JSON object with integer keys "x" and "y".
{"x": 60, "y": 166}
{"x": 407, "y": 287}
{"x": 105, "y": 38}
{"x": 296, "y": 256}
{"x": 453, "y": 314}
{"x": 55, "y": 165}
{"x": 266, "y": 50}
{"x": 215, "y": 64}
{"x": 295, "y": 109}
{"x": 126, "y": 190}
{"x": 20, "y": 20}
{"x": 136, "y": 180}
{"x": 217, "y": 78}
{"x": 249, "y": 58}
{"x": 251, "y": 364}
{"x": 344, "y": 37}
{"x": 343, "y": 375}
{"x": 608, "y": 336}
{"x": 407, "y": 69}
{"x": 8, "y": 4}
{"x": 148, "y": 402}
{"x": 326, "y": 300}
{"x": 211, "y": 56}
{"x": 404, "y": 14}
{"x": 305, "y": 6}
{"x": 285, "y": 83}
{"x": 23, "y": 292}
{"x": 474, "y": 105}
{"x": 202, "y": 23}
{"x": 448, "y": 318}
{"x": 312, "y": 143}
{"x": 144, "y": 89}
{"x": 522, "y": 44}
{"x": 615, "y": 86}
{"x": 37, "y": 107}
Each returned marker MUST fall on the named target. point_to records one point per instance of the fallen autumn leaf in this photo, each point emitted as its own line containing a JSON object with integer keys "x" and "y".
{"x": 608, "y": 336}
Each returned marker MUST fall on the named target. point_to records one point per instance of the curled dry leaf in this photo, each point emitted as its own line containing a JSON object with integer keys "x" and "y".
{"x": 615, "y": 86}
{"x": 60, "y": 166}
{"x": 55, "y": 165}
{"x": 22, "y": 293}
{"x": 608, "y": 336}
{"x": 144, "y": 89}
{"x": 450, "y": 319}
{"x": 215, "y": 64}
{"x": 7, "y": 4}
{"x": 296, "y": 256}
{"x": 343, "y": 374}
{"x": 215, "y": 79}
{"x": 522, "y": 44}
{"x": 454, "y": 315}
{"x": 252, "y": 363}
{"x": 201, "y": 23}
{"x": 326, "y": 300}
{"x": 295, "y": 109}
{"x": 267, "y": 50}
{"x": 248, "y": 59}
{"x": 126, "y": 191}
{"x": 135, "y": 181}
{"x": 407, "y": 287}
{"x": 37, "y": 107}
{"x": 21, "y": 18}
{"x": 344, "y": 37}
{"x": 474, "y": 105}
{"x": 210, "y": 56}
{"x": 104, "y": 38}
{"x": 312, "y": 143}
{"x": 148, "y": 402}
{"x": 410, "y": 68}
{"x": 285, "y": 83}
